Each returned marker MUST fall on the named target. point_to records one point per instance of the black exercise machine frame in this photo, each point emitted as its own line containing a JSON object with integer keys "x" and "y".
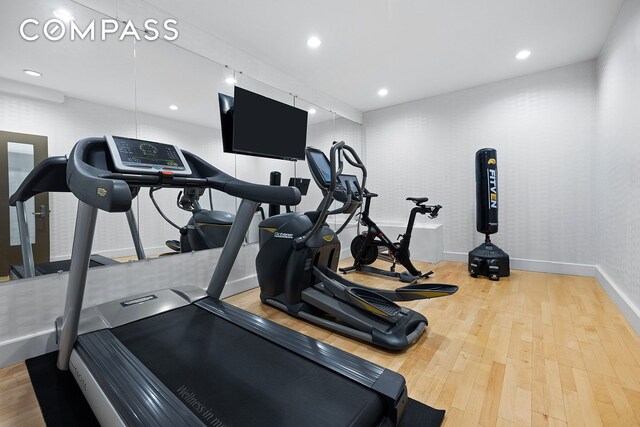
{"x": 364, "y": 247}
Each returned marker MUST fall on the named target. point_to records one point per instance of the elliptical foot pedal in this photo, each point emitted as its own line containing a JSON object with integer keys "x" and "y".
{"x": 374, "y": 303}
{"x": 426, "y": 291}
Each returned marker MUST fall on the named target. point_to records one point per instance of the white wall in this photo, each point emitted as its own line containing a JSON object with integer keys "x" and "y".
{"x": 544, "y": 128}
{"x": 617, "y": 164}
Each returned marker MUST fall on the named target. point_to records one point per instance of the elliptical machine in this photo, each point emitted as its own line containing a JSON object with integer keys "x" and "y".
{"x": 298, "y": 259}
{"x": 206, "y": 229}
{"x": 364, "y": 247}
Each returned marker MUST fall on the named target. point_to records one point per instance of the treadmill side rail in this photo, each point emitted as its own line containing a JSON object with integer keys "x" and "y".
{"x": 135, "y": 395}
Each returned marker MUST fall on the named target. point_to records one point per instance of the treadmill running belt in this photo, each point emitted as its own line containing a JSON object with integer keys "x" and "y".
{"x": 54, "y": 267}
{"x": 227, "y": 375}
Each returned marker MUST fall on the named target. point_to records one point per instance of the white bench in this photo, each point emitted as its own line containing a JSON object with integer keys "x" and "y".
{"x": 427, "y": 240}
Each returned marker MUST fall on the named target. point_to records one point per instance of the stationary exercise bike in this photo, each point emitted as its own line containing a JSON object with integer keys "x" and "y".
{"x": 206, "y": 229}
{"x": 298, "y": 259}
{"x": 364, "y": 247}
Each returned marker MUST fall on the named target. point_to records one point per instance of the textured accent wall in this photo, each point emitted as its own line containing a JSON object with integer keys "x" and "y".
{"x": 544, "y": 128}
{"x": 617, "y": 155}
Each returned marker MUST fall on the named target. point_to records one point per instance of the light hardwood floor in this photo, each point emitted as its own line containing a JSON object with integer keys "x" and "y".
{"x": 532, "y": 349}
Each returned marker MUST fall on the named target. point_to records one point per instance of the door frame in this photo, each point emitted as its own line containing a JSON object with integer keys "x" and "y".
{"x": 12, "y": 255}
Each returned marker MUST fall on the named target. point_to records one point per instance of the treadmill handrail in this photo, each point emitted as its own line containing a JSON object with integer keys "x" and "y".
{"x": 93, "y": 180}
{"x": 47, "y": 177}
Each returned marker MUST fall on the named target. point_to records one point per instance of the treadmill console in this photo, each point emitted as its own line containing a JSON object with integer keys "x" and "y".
{"x": 147, "y": 157}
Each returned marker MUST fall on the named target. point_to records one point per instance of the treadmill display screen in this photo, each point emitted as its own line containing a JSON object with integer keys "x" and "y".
{"x": 322, "y": 163}
{"x": 148, "y": 154}
{"x": 137, "y": 155}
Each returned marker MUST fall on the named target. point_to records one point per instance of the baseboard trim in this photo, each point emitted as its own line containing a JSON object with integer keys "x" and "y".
{"x": 118, "y": 253}
{"x": 539, "y": 266}
{"x": 629, "y": 310}
{"x": 240, "y": 285}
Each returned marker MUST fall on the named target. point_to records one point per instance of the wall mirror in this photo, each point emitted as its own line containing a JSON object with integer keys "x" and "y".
{"x": 52, "y": 94}
{"x": 147, "y": 90}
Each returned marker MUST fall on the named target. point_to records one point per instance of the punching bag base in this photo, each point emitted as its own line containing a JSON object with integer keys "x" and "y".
{"x": 488, "y": 260}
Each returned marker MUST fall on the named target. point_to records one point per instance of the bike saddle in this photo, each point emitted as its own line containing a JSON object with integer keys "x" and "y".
{"x": 418, "y": 200}
{"x": 367, "y": 194}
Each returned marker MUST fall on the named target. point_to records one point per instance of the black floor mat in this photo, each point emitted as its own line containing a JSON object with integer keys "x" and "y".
{"x": 420, "y": 415}
{"x": 62, "y": 403}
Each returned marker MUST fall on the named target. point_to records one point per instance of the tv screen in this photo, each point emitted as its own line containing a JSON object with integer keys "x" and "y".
{"x": 267, "y": 128}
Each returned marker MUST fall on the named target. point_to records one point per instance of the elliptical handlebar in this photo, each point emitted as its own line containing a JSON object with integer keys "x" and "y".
{"x": 336, "y": 165}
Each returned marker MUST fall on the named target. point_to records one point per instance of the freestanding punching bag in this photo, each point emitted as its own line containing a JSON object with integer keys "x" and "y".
{"x": 487, "y": 259}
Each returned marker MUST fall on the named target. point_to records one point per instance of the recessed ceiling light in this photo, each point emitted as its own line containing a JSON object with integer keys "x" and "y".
{"x": 523, "y": 54}
{"x": 313, "y": 42}
{"x": 63, "y": 15}
{"x": 383, "y": 92}
{"x": 230, "y": 80}
{"x": 32, "y": 73}
{"x": 173, "y": 107}
{"x": 312, "y": 111}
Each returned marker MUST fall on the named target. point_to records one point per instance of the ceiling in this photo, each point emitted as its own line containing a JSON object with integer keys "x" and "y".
{"x": 414, "y": 48}
{"x": 106, "y": 72}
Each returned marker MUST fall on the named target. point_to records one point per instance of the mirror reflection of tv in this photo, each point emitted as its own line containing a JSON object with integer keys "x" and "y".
{"x": 301, "y": 184}
{"x": 226, "y": 121}
{"x": 256, "y": 125}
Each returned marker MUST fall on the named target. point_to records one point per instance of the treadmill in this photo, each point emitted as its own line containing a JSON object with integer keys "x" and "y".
{"x": 49, "y": 177}
{"x": 181, "y": 356}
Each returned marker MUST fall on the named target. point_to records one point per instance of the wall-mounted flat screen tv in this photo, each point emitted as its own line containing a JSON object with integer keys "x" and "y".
{"x": 256, "y": 125}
